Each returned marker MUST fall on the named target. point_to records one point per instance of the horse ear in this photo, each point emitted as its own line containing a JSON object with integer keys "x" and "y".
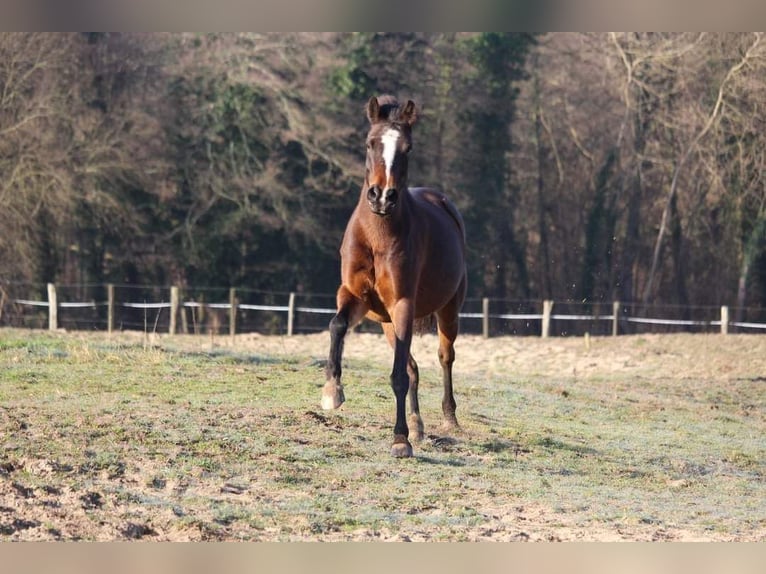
{"x": 409, "y": 115}
{"x": 373, "y": 110}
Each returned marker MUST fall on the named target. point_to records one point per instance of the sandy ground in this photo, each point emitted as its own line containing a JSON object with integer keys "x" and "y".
{"x": 677, "y": 356}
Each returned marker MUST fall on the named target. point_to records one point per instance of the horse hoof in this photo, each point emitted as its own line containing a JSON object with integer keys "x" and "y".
{"x": 332, "y": 396}
{"x": 450, "y": 425}
{"x": 416, "y": 435}
{"x": 417, "y": 430}
{"x": 401, "y": 450}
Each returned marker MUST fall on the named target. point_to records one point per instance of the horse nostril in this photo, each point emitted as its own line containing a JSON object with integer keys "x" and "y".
{"x": 373, "y": 193}
{"x": 391, "y": 195}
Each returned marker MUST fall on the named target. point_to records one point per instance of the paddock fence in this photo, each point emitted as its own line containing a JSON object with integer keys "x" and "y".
{"x": 224, "y": 311}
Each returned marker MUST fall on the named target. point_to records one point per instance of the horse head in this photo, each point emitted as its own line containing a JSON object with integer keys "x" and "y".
{"x": 388, "y": 143}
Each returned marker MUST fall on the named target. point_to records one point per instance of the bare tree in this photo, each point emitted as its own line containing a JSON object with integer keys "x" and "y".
{"x": 707, "y": 121}
{"x": 34, "y": 181}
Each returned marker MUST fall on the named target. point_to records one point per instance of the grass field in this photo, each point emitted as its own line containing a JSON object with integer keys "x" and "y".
{"x": 188, "y": 438}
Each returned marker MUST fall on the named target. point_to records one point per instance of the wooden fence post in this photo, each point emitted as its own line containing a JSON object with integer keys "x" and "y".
{"x": 290, "y": 314}
{"x": 184, "y": 316}
{"x": 615, "y": 318}
{"x": 547, "y": 311}
{"x": 110, "y": 308}
{"x": 174, "y": 304}
{"x": 724, "y": 320}
{"x": 232, "y": 313}
{"x": 53, "y": 319}
{"x": 485, "y": 317}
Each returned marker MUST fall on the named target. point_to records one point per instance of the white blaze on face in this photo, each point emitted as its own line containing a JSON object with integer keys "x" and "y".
{"x": 389, "y": 140}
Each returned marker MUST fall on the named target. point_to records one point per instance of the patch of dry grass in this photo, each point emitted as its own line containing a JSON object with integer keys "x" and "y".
{"x": 637, "y": 438}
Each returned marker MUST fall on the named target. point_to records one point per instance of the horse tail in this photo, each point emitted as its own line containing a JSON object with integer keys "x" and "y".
{"x": 424, "y": 325}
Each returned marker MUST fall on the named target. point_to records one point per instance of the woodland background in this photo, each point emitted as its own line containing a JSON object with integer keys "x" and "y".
{"x": 588, "y": 167}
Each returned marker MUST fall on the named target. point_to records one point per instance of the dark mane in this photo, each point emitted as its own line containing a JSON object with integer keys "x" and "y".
{"x": 389, "y": 107}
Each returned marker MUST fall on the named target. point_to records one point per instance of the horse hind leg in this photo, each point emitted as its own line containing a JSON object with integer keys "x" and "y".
{"x": 447, "y": 327}
{"x": 417, "y": 430}
{"x": 350, "y": 312}
{"x": 446, "y": 359}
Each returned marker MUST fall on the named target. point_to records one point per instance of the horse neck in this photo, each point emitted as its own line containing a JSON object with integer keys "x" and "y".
{"x": 385, "y": 228}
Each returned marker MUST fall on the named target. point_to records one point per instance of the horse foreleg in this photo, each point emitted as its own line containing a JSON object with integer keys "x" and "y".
{"x": 350, "y": 312}
{"x": 417, "y": 430}
{"x": 402, "y": 318}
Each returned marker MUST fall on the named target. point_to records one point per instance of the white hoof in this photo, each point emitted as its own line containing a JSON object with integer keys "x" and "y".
{"x": 332, "y": 396}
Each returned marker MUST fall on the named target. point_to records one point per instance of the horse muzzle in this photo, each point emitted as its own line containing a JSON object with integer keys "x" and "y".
{"x": 382, "y": 201}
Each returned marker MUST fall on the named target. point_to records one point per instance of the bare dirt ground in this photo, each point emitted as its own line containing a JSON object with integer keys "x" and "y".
{"x": 35, "y": 508}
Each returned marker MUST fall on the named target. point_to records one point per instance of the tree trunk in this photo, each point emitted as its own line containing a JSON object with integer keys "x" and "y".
{"x": 597, "y": 232}
{"x": 679, "y": 267}
{"x": 753, "y": 248}
{"x": 626, "y": 287}
{"x": 542, "y": 227}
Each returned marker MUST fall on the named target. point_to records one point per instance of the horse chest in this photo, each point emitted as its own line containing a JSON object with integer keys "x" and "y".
{"x": 388, "y": 281}
{"x": 380, "y": 279}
